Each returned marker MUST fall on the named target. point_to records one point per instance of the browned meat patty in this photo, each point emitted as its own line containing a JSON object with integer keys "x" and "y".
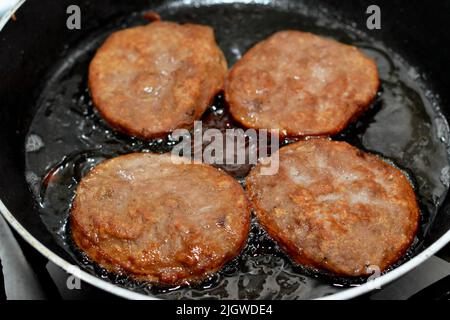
{"x": 154, "y": 220}
{"x": 302, "y": 84}
{"x": 336, "y": 208}
{"x": 149, "y": 80}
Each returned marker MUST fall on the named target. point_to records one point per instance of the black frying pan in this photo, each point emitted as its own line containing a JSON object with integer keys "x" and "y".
{"x": 48, "y": 128}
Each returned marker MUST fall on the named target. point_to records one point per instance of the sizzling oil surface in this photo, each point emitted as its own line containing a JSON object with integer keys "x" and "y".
{"x": 67, "y": 138}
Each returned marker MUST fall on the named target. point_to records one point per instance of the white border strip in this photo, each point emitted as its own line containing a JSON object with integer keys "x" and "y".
{"x": 128, "y": 294}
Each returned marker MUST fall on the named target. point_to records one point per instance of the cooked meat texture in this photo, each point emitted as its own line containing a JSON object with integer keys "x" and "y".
{"x": 149, "y": 80}
{"x": 302, "y": 84}
{"x": 336, "y": 208}
{"x": 144, "y": 216}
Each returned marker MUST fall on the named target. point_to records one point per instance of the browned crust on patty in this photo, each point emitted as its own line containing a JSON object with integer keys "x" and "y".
{"x": 336, "y": 208}
{"x": 147, "y": 81}
{"x": 143, "y": 216}
{"x": 302, "y": 84}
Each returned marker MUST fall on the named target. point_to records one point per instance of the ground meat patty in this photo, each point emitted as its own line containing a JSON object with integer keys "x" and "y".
{"x": 149, "y": 80}
{"x": 336, "y": 208}
{"x": 302, "y": 84}
{"x": 144, "y": 216}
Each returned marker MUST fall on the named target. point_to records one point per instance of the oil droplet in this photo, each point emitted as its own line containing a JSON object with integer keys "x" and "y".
{"x": 148, "y": 90}
{"x": 33, "y": 143}
{"x": 34, "y": 182}
{"x": 445, "y": 176}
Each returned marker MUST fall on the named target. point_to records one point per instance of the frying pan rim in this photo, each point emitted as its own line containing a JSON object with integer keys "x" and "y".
{"x": 128, "y": 294}
{"x": 7, "y": 16}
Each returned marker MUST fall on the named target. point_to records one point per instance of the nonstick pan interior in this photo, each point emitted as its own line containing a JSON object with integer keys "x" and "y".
{"x": 63, "y": 136}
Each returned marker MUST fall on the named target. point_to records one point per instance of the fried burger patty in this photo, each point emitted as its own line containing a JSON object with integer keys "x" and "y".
{"x": 144, "y": 216}
{"x": 149, "y": 80}
{"x": 302, "y": 84}
{"x": 336, "y": 208}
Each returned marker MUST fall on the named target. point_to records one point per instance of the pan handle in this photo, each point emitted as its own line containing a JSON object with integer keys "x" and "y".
{"x": 440, "y": 290}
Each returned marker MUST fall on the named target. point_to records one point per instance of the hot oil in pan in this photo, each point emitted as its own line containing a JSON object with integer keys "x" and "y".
{"x": 67, "y": 138}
